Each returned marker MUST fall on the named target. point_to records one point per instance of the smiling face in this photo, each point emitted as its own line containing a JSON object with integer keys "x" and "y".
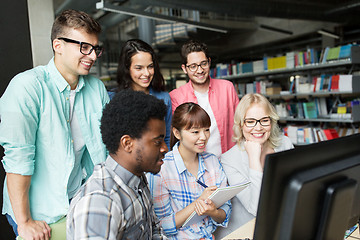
{"x": 141, "y": 71}
{"x": 192, "y": 140}
{"x": 201, "y": 75}
{"x": 69, "y": 60}
{"x": 258, "y": 133}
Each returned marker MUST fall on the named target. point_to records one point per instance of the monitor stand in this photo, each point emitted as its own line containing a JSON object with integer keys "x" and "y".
{"x": 337, "y": 205}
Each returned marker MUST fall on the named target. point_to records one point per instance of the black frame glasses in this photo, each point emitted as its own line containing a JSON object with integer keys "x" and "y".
{"x": 252, "y": 122}
{"x": 194, "y": 67}
{"x": 85, "y": 48}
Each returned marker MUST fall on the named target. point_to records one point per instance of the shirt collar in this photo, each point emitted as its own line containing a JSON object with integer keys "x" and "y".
{"x": 180, "y": 163}
{"x": 59, "y": 80}
{"x": 130, "y": 179}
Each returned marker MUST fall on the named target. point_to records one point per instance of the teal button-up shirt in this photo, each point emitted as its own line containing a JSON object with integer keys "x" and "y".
{"x": 36, "y": 136}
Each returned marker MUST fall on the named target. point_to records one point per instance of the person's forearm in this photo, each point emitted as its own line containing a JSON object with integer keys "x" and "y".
{"x": 219, "y": 215}
{"x": 254, "y": 163}
{"x": 182, "y": 215}
{"x": 18, "y": 189}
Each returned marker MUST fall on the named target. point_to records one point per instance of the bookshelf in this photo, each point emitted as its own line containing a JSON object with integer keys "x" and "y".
{"x": 307, "y": 95}
{"x": 298, "y": 69}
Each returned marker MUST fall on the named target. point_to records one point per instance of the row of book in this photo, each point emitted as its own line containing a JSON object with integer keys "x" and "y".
{"x": 300, "y": 110}
{"x": 264, "y": 87}
{"x": 306, "y": 135}
{"x": 289, "y": 60}
{"x": 325, "y": 83}
{"x": 319, "y": 108}
{"x": 340, "y": 83}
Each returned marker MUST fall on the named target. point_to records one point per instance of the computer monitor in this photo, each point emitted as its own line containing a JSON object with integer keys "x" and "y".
{"x": 310, "y": 192}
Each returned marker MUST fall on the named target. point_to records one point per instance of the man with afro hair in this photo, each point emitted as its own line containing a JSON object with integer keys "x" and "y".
{"x": 115, "y": 202}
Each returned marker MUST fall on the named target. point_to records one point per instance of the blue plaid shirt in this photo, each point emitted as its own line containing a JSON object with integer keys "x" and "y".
{"x": 174, "y": 187}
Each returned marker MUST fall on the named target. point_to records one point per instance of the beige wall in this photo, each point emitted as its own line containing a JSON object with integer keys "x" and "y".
{"x": 41, "y": 17}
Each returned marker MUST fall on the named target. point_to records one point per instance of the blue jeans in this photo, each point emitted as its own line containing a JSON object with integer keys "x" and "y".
{"x": 12, "y": 223}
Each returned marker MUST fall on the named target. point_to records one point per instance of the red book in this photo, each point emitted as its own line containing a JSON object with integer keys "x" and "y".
{"x": 335, "y": 82}
{"x": 314, "y": 83}
{"x": 331, "y": 133}
{"x": 306, "y": 59}
{"x": 258, "y": 87}
{"x": 296, "y": 60}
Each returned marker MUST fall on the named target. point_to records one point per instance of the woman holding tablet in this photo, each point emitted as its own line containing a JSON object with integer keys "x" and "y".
{"x": 180, "y": 188}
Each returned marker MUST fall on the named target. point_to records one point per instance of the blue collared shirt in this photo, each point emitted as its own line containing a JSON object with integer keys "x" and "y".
{"x": 36, "y": 135}
{"x": 166, "y": 98}
{"x": 174, "y": 188}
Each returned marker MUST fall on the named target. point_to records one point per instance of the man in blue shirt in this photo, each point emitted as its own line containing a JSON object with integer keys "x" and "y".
{"x": 50, "y": 117}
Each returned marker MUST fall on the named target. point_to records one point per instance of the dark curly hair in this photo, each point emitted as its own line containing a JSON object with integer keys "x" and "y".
{"x": 193, "y": 46}
{"x": 132, "y": 47}
{"x": 128, "y": 113}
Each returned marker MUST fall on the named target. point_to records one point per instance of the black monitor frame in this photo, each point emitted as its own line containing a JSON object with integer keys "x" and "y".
{"x": 310, "y": 192}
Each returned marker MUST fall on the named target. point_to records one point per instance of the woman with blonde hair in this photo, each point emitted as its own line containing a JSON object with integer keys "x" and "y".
{"x": 256, "y": 134}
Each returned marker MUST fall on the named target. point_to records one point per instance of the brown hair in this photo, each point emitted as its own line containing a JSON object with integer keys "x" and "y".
{"x": 193, "y": 46}
{"x": 74, "y": 19}
{"x": 186, "y": 116}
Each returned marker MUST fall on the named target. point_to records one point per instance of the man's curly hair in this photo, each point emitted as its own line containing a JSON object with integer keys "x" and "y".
{"x": 128, "y": 113}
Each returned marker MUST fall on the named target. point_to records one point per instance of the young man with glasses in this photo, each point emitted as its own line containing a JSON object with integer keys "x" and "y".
{"x": 50, "y": 117}
{"x": 218, "y": 97}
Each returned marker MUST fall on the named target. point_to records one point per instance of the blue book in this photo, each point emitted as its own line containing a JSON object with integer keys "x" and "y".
{"x": 326, "y": 51}
{"x": 247, "y": 67}
{"x": 345, "y": 51}
{"x": 329, "y": 86}
{"x": 322, "y": 77}
{"x": 310, "y": 110}
{"x": 265, "y": 63}
{"x": 312, "y": 56}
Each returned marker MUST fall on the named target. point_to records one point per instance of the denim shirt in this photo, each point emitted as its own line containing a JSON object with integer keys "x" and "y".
{"x": 36, "y": 135}
{"x": 166, "y": 98}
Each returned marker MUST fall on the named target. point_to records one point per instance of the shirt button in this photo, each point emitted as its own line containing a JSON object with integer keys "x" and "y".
{"x": 67, "y": 98}
{"x": 72, "y": 141}
{"x": 68, "y": 120}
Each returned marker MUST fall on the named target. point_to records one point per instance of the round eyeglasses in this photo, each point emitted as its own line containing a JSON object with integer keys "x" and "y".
{"x": 85, "y": 48}
{"x": 251, "y": 122}
{"x": 194, "y": 67}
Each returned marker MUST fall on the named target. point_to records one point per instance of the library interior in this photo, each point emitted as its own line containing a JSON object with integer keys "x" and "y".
{"x": 303, "y": 56}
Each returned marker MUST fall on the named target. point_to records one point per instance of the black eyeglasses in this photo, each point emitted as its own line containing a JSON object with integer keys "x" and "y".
{"x": 194, "y": 67}
{"x": 85, "y": 48}
{"x": 251, "y": 122}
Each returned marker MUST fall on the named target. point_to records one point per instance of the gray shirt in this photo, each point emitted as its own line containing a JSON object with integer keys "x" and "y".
{"x": 113, "y": 204}
{"x": 236, "y": 166}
